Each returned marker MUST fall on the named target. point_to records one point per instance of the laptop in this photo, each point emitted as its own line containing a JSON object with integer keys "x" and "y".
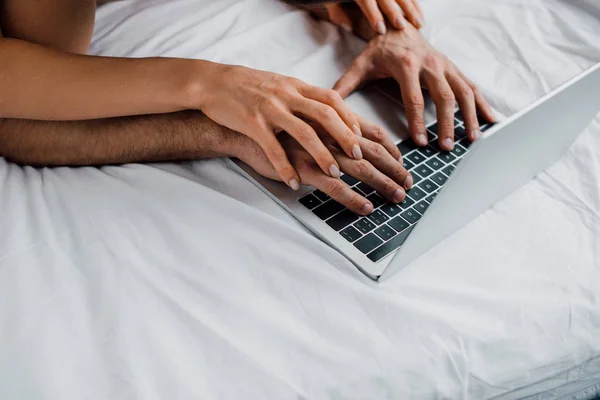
{"x": 451, "y": 188}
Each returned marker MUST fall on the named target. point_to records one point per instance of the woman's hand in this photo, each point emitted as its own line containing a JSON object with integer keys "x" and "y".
{"x": 396, "y": 11}
{"x": 262, "y": 104}
{"x": 381, "y": 168}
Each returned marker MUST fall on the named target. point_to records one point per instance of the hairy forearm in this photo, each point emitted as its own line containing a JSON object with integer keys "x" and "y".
{"x": 183, "y": 135}
{"x": 37, "y": 82}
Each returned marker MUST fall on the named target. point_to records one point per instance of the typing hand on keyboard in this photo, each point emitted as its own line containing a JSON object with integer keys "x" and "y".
{"x": 411, "y": 61}
{"x": 380, "y": 170}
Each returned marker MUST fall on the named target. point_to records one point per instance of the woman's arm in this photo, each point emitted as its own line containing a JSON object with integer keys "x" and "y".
{"x": 37, "y": 82}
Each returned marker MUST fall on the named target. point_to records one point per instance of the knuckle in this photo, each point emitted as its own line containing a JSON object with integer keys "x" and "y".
{"x": 416, "y": 101}
{"x": 332, "y": 97}
{"x": 408, "y": 59}
{"x": 305, "y": 133}
{"x": 447, "y": 97}
{"x": 335, "y": 187}
{"x": 378, "y": 134}
{"x": 378, "y": 150}
{"x": 326, "y": 113}
{"x": 363, "y": 169}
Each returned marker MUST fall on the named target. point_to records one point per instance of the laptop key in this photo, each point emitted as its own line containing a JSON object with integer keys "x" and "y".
{"x": 366, "y": 189}
{"x": 460, "y": 132}
{"x": 355, "y": 188}
{"x": 399, "y": 224}
{"x": 446, "y": 157}
{"x": 406, "y": 146}
{"x": 351, "y": 234}
{"x": 376, "y": 199}
{"x": 435, "y": 164}
{"x": 391, "y": 209}
{"x": 416, "y": 194}
{"x": 328, "y": 209}
{"x": 406, "y": 203}
{"x": 421, "y": 206}
{"x": 368, "y": 243}
{"x": 427, "y": 151}
{"x": 406, "y": 164}
{"x": 411, "y": 216}
{"x": 430, "y": 198}
{"x": 351, "y": 181}
{"x": 458, "y": 116}
{"x": 466, "y": 143}
{"x": 321, "y": 196}
{"x": 342, "y": 220}
{"x": 364, "y": 225}
{"x": 439, "y": 178}
{"x": 486, "y": 127}
{"x": 458, "y": 150}
{"x": 415, "y": 157}
{"x": 416, "y": 177}
{"x": 309, "y": 201}
{"x": 449, "y": 170}
{"x": 385, "y": 232}
{"x": 378, "y": 218}
{"x": 423, "y": 170}
{"x": 390, "y": 246}
{"x": 428, "y": 186}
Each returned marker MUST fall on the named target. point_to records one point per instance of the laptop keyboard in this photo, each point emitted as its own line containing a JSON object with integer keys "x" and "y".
{"x": 386, "y": 229}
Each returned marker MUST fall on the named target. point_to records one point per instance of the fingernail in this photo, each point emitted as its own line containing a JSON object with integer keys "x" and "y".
{"x": 381, "y": 28}
{"x": 334, "y": 171}
{"x": 400, "y": 23}
{"x": 421, "y": 139}
{"x": 476, "y": 134}
{"x": 294, "y": 184}
{"x": 399, "y": 195}
{"x": 420, "y": 22}
{"x": 356, "y": 152}
{"x": 356, "y": 130}
{"x": 346, "y": 27}
{"x": 367, "y": 208}
{"x": 408, "y": 182}
{"x": 448, "y": 144}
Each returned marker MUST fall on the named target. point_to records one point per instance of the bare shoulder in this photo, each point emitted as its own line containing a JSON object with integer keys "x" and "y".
{"x": 63, "y": 24}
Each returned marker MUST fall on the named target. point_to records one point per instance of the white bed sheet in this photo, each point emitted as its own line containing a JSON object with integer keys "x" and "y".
{"x": 183, "y": 281}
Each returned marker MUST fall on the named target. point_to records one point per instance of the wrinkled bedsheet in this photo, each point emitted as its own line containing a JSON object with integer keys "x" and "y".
{"x": 184, "y": 281}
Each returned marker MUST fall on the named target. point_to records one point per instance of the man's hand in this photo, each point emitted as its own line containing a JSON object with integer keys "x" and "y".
{"x": 381, "y": 168}
{"x": 408, "y": 58}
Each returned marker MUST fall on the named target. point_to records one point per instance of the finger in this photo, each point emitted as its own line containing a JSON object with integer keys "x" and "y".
{"x": 394, "y": 13}
{"x": 377, "y": 134}
{"x": 306, "y": 136}
{"x": 356, "y": 74}
{"x": 339, "y": 191}
{"x": 419, "y": 9}
{"x": 482, "y": 105}
{"x": 412, "y": 97}
{"x": 445, "y": 102}
{"x": 378, "y": 155}
{"x": 338, "y": 16}
{"x": 335, "y": 101}
{"x": 364, "y": 171}
{"x": 276, "y": 155}
{"x": 466, "y": 102}
{"x": 331, "y": 121}
{"x": 370, "y": 9}
{"x": 412, "y": 15}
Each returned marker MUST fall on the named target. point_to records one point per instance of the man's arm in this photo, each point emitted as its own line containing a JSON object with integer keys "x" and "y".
{"x": 183, "y": 135}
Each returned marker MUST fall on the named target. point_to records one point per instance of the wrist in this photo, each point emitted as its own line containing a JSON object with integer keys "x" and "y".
{"x": 198, "y": 74}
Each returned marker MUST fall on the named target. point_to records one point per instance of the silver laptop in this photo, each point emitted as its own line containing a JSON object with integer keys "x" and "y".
{"x": 451, "y": 188}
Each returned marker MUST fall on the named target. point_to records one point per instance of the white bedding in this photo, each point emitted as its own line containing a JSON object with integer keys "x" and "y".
{"x": 184, "y": 281}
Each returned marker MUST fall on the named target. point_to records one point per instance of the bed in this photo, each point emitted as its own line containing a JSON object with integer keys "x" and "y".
{"x": 184, "y": 281}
